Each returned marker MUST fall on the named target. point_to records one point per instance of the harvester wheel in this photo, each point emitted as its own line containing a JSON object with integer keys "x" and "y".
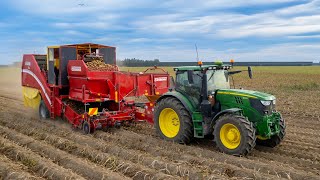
{"x": 86, "y": 127}
{"x": 276, "y": 139}
{"x": 172, "y": 121}
{"x": 234, "y": 134}
{"x": 43, "y": 110}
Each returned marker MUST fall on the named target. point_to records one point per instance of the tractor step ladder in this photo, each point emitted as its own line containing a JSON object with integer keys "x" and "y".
{"x": 198, "y": 128}
{"x": 198, "y": 132}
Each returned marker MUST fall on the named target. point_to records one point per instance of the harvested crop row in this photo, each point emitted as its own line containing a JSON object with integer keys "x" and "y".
{"x": 303, "y": 131}
{"x": 142, "y": 128}
{"x": 12, "y": 170}
{"x": 180, "y": 153}
{"x": 40, "y": 166}
{"x": 222, "y": 168}
{"x": 85, "y": 150}
{"x": 298, "y": 164}
{"x": 225, "y": 169}
{"x": 114, "y": 161}
{"x": 312, "y": 125}
{"x": 302, "y": 138}
{"x": 10, "y": 97}
{"x": 305, "y": 125}
{"x": 296, "y": 152}
{"x": 299, "y": 116}
{"x": 121, "y": 138}
{"x": 300, "y": 146}
{"x": 79, "y": 166}
{"x": 40, "y": 131}
{"x": 198, "y": 153}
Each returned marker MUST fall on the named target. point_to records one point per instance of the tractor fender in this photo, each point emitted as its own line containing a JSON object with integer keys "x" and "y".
{"x": 226, "y": 111}
{"x": 186, "y": 103}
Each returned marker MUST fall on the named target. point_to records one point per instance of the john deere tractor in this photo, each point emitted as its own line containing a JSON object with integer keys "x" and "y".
{"x": 203, "y": 104}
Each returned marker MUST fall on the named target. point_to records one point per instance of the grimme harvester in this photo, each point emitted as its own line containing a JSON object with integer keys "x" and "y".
{"x": 82, "y": 83}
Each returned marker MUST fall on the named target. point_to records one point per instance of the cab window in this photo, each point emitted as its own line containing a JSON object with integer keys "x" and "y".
{"x": 192, "y": 90}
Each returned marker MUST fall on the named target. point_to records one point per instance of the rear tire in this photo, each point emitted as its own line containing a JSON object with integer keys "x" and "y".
{"x": 234, "y": 135}
{"x": 172, "y": 121}
{"x": 43, "y": 110}
{"x": 275, "y": 140}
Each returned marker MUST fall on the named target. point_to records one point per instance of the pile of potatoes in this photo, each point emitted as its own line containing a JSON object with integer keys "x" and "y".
{"x": 99, "y": 65}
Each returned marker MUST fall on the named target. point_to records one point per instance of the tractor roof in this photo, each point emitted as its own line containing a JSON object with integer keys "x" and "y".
{"x": 83, "y": 45}
{"x": 203, "y": 67}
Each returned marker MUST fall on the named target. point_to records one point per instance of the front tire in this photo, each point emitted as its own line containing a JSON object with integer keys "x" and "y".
{"x": 275, "y": 140}
{"x": 43, "y": 110}
{"x": 172, "y": 121}
{"x": 86, "y": 127}
{"x": 234, "y": 135}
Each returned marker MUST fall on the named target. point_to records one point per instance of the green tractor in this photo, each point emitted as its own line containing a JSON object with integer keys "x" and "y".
{"x": 202, "y": 104}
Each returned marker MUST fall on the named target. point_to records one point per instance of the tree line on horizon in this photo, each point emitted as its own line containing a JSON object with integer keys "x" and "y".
{"x": 133, "y": 62}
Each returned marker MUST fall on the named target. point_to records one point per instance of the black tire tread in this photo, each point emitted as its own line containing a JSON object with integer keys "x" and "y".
{"x": 43, "y": 105}
{"x": 184, "y": 136}
{"x": 248, "y": 130}
{"x": 85, "y": 123}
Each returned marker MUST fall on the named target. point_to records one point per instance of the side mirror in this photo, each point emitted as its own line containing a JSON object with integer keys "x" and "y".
{"x": 190, "y": 76}
{"x": 250, "y": 72}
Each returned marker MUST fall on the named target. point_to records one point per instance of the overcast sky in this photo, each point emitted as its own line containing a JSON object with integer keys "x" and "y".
{"x": 244, "y": 30}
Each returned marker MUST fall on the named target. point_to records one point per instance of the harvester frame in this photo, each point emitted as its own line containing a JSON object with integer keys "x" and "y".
{"x": 102, "y": 95}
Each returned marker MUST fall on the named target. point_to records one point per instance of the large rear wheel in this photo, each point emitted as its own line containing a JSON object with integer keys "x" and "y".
{"x": 275, "y": 140}
{"x": 43, "y": 110}
{"x": 172, "y": 121}
{"x": 234, "y": 134}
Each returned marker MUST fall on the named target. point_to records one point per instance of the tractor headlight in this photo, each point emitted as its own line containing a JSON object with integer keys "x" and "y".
{"x": 266, "y": 103}
{"x": 274, "y": 102}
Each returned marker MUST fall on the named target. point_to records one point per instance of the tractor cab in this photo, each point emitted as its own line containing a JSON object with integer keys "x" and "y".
{"x": 200, "y": 83}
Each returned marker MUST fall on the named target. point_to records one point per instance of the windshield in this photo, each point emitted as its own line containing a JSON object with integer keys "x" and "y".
{"x": 192, "y": 90}
{"x": 217, "y": 79}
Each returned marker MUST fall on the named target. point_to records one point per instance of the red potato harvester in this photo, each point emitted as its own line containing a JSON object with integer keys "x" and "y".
{"x": 62, "y": 84}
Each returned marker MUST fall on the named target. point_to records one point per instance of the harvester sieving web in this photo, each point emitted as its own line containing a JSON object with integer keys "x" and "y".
{"x": 82, "y": 84}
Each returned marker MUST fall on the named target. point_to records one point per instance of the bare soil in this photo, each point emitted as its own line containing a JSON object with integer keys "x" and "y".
{"x": 31, "y": 148}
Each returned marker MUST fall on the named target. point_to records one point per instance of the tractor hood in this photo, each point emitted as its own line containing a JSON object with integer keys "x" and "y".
{"x": 247, "y": 93}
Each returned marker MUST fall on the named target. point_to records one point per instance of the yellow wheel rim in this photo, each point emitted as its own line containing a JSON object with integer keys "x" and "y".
{"x": 169, "y": 122}
{"x": 230, "y": 136}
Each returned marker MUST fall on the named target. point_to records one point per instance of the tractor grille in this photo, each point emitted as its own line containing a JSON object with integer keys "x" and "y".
{"x": 238, "y": 100}
{"x": 262, "y": 109}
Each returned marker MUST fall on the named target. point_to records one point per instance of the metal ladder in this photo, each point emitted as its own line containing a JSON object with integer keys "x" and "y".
{"x": 197, "y": 126}
{"x": 52, "y": 94}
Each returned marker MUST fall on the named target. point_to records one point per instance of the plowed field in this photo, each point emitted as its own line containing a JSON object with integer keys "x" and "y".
{"x": 50, "y": 149}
